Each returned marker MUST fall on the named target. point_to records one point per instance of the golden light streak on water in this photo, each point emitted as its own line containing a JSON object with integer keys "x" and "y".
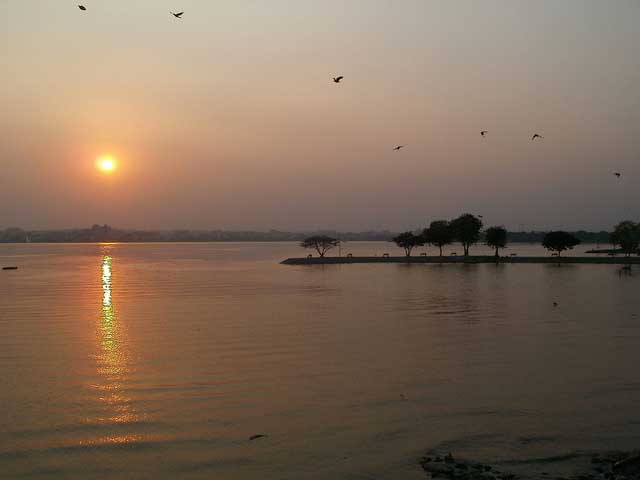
{"x": 118, "y": 439}
{"x": 107, "y": 305}
{"x": 113, "y": 367}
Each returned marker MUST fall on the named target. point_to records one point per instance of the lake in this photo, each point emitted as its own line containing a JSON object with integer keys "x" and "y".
{"x": 161, "y": 360}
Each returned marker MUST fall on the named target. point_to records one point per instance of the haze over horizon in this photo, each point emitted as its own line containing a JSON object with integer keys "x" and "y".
{"x": 228, "y": 118}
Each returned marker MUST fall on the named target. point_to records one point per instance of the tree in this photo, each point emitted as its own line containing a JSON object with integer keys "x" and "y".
{"x": 466, "y": 229}
{"x": 321, "y": 243}
{"x": 438, "y": 234}
{"x": 496, "y": 237}
{"x": 627, "y": 235}
{"x": 559, "y": 241}
{"x": 408, "y": 241}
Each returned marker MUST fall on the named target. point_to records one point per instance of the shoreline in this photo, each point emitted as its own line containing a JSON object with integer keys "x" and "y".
{"x": 608, "y": 465}
{"x": 460, "y": 259}
{"x": 610, "y": 251}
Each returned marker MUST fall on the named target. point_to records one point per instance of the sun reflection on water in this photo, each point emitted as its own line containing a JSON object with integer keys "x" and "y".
{"x": 107, "y": 305}
{"x": 112, "y": 361}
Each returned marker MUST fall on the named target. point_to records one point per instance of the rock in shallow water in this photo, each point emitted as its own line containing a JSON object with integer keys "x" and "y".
{"x": 605, "y": 466}
{"x": 453, "y": 469}
{"x": 629, "y": 467}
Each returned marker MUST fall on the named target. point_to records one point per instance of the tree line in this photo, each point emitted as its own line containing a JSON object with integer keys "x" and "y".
{"x": 467, "y": 230}
{"x": 106, "y": 233}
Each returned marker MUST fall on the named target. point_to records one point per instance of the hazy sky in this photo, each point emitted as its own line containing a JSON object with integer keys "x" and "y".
{"x": 228, "y": 118}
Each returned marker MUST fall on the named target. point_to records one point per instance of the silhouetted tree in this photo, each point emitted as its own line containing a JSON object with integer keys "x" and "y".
{"x": 559, "y": 241}
{"x": 627, "y": 235}
{"x": 408, "y": 241}
{"x": 466, "y": 229}
{"x": 321, "y": 243}
{"x": 438, "y": 234}
{"x": 496, "y": 237}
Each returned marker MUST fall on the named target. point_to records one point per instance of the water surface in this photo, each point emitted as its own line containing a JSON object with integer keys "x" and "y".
{"x": 160, "y": 360}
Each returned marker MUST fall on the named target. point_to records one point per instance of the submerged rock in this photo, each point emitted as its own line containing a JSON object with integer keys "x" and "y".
{"x": 453, "y": 469}
{"x": 629, "y": 467}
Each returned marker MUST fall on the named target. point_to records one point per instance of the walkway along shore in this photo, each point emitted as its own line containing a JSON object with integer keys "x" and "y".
{"x": 461, "y": 259}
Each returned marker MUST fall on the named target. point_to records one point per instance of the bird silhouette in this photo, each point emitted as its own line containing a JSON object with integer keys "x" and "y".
{"x": 536, "y": 136}
{"x": 177, "y": 15}
{"x": 338, "y": 79}
{"x": 398, "y": 147}
{"x": 483, "y": 133}
{"x": 617, "y": 174}
{"x": 82, "y": 7}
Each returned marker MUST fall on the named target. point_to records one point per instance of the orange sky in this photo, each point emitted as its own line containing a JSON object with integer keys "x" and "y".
{"x": 228, "y": 118}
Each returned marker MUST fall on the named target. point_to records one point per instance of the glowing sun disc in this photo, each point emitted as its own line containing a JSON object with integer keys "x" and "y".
{"x": 106, "y": 164}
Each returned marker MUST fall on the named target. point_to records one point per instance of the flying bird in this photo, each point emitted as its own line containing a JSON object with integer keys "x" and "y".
{"x": 483, "y": 133}
{"x": 399, "y": 147}
{"x": 536, "y": 136}
{"x": 177, "y": 15}
{"x": 82, "y": 7}
{"x": 338, "y": 79}
{"x": 617, "y": 174}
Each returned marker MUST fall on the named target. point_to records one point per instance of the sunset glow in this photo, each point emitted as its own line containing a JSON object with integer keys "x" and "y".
{"x": 258, "y": 115}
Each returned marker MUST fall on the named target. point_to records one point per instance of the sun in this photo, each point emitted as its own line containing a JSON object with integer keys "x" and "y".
{"x": 106, "y": 164}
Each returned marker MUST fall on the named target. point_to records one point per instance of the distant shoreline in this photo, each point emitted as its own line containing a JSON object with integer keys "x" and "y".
{"x": 108, "y": 234}
{"x": 460, "y": 259}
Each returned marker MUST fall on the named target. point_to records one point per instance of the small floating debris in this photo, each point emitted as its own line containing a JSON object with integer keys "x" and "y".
{"x": 9, "y": 268}
{"x": 255, "y": 437}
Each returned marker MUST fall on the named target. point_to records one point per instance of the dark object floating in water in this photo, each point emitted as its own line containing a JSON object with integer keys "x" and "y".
{"x": 9, "y": 268}
{"x": 555, "y": 304}
{"x": 82, "y": 7}
{"x": 255, "y": 437}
